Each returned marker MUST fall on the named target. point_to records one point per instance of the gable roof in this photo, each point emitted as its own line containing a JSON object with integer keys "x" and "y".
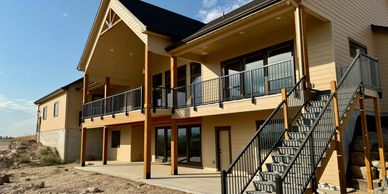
{"x": 162, "y": 21}
{"x": 237, "y": 14}
{"x": 58, "y": 91}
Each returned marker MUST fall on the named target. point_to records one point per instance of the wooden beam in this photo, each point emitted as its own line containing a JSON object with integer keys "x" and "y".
{"x": 113, "y": 25}
{"x": 85, "y": 89}
{"x": 104, "y": 145}
{"x": 174, "y": 127}
{"x": 380, "y": 138}
{"x": 301, "y": 46}
{"x": 339, "y": 145}
{"x": 286, "y": 112}
{"x": 83, "y": 146}
{"x": 147, "y": 112}
{"x": 365, "y": 141}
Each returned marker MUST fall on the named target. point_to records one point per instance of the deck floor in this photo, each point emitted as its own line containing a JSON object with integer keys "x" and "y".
{"x": 191, "y": 180}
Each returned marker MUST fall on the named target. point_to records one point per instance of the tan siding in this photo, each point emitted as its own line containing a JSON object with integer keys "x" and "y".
{"x": 74, "y": 107}
{"x": 52, "y": 123}
{"x": 123, "y": 152}
{"x": 381, "y": 39}
{"x": 243, "y": 126}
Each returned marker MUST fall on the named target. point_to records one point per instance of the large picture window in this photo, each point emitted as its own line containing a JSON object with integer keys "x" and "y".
{"x": 259, "y": 73}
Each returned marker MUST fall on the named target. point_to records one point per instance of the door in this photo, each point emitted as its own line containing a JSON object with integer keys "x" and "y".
{"x": 189, "y": 145}
{"x": 163, "y": 144}
{"x": 223, "y": 145}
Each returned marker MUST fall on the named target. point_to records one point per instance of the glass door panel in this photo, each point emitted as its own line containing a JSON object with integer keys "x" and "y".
{"x": 182, "y": 145}
{"x": 254, "y": 75}
{"x": 163, "y": 144}
{"x": 233, "y": 80}
{"x": 195, "y": 145}
{"x": 280, "y": 68}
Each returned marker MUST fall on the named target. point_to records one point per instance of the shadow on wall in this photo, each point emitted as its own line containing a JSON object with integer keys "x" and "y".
{"x": 94, "y": 144}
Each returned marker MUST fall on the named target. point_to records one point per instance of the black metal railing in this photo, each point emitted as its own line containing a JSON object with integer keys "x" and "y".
{"x": 240, "y": 173}
{"x": 266, "y": 80}
{"x": 298, "y": 175}
{"x": 119, "y": 103}
{"x": 162, "y": 98}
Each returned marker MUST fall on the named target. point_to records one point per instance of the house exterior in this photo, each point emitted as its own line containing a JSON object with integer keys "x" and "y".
{"x": 59, "y": 120}
{"x": 173, "y": 90}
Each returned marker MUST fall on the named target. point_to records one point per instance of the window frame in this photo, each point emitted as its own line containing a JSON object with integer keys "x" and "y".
{"x": 44, "y": 113}
{"x": 56, "y": 109}
{"x": 356, "y": 44}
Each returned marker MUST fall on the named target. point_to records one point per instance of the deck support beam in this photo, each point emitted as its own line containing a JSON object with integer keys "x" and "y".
{"x": 83, "y": 147}
{"x": 380, "y": 139}
{"x": 286, "y": 114}
{"x": 339, "y": 140}
{"x": 365, "y": 140}
{"x": 301, "y": 46}
{"x": 174, "y": 127}
{"x": 147, "y": 114}
{"x": 107, "y": 87}
{"x": 104, "y": 145}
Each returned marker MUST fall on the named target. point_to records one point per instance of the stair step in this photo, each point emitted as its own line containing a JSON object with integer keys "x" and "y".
{"x": 310, "y": 121}
{"x": 281, "y": 167}
{"x": 286, "y": 159}
{"x": 309, "y": 115}
{"x": 302, "y": 135}
{"x": 270, "y": 187}
{"x": 292, "y": 150}
{"x": 320, "y": 128}
{"x": 318, "y": 103}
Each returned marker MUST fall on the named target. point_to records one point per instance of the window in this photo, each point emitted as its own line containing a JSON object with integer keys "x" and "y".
{"x": 115, "y": 139}
{"x": 354, "y": 46}
{"x": 45, "y": 113}
{"x": 181, "y": 76}
{"x": 56, "y": 109}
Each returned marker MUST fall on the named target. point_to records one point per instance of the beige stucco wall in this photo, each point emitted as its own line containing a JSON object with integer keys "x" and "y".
{"x": 51, "y": 122}
{"x": 74, "y": 106}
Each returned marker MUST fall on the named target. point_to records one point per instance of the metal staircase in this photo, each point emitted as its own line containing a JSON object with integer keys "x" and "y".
{"x": 295, "y": 158}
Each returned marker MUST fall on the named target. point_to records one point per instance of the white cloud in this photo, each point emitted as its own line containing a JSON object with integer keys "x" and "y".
{"x": 23, "y": 105}
{"x": 65, "y": 14}
{"x": 209, "y": 3}
{"x": 208, "y": 14}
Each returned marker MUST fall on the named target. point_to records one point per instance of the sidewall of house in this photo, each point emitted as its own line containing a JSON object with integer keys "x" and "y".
{"x": 73, "y": 142}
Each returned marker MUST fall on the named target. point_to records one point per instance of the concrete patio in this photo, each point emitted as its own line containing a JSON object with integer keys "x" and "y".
{"x": 191, "y": 180}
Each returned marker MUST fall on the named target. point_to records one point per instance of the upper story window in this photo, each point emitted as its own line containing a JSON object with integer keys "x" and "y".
{"x": 56, "y": 109}
{"x": 354, "y": 45}
{"x": 44, "y": 113}
{"x": 181, "y": 75}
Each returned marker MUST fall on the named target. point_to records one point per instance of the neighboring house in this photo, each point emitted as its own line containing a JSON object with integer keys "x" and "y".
{"x": 59, "y": 120}
{"x": 172, "y": 89}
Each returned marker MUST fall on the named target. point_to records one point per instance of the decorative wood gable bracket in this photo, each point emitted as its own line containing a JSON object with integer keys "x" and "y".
{"x": 112, "y": 19}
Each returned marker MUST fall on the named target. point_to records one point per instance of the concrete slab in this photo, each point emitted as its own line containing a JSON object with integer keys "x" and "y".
{"x": 191, "y": 180}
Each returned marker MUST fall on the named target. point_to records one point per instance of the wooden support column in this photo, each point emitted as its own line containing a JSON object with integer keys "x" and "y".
{"x": 301, "y": 46}
{"x": 339, "y": 146}
{"x": 380, "y": 138}
{"x": 85, "y": 89}
{"x": 147, "y": 115}
{"x": 107, "y": 87}
{"x": 83, "y": 146}
{"x": 174, "y": 127}
{"x": 104, "y": 145}
{"x": 366, "y": 143}
{"x": 286, "y": 112}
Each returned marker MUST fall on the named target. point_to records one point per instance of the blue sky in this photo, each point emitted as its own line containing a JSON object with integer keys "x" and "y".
{"x": 41, "y": 43}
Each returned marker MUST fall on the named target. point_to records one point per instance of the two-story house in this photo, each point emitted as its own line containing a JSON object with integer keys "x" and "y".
{"x": 250, "y": 94}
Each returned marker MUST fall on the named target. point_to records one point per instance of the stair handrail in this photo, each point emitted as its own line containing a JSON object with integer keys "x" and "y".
{"x": 309, "y": 139}
{"x": 255, "y": 166}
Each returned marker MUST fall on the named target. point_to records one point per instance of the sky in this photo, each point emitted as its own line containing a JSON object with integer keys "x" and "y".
{"x": 41, "y": 42}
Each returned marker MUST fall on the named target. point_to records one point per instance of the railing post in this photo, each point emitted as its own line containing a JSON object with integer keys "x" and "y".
{"x": 285, "y": 112}
{"x": 266, "y": 85}
{"x": 339, "y": 146}
{"x": 223, "y": 182}
{"x": 154, "y": 100}
{"x": 102, "y": 107}
{"x": 193, "y": 98}
{"x": 279, "y": 184}
{"x": 220, "y": 92}
{"x": 126, "y": 103}
{"x": 314, "y": 183}
{"x": 251, "y": 80}
{"x": 174, "y": 100}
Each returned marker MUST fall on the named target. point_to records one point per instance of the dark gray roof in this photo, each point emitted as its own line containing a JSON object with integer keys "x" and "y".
{"x": 162, "y": 21}
{"x": 54, "y": 93}
{"x": 245, "y": 10}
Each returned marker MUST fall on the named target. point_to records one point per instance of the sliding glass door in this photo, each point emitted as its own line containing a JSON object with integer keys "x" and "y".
{"x": 163, "y": 144}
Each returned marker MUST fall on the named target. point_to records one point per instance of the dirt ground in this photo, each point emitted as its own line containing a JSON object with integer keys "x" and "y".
{"x": 67, "y": 179}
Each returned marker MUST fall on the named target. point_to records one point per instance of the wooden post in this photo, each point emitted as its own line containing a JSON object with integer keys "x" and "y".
{"x": 380, "y": 138}
{"x": 107, "y": 87}
{"x": 85, "y": 89}
{"x": 366, "y": 143}
{"x": 104, "y": 145}
{"x": 147, "y": 118}
{"x": 285, "y": 112}
{"x": 339, "y": 146}
{"x": 301, "y": 46}
{"x": 174, "y": 127}
{"x": 83, "y": 146}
